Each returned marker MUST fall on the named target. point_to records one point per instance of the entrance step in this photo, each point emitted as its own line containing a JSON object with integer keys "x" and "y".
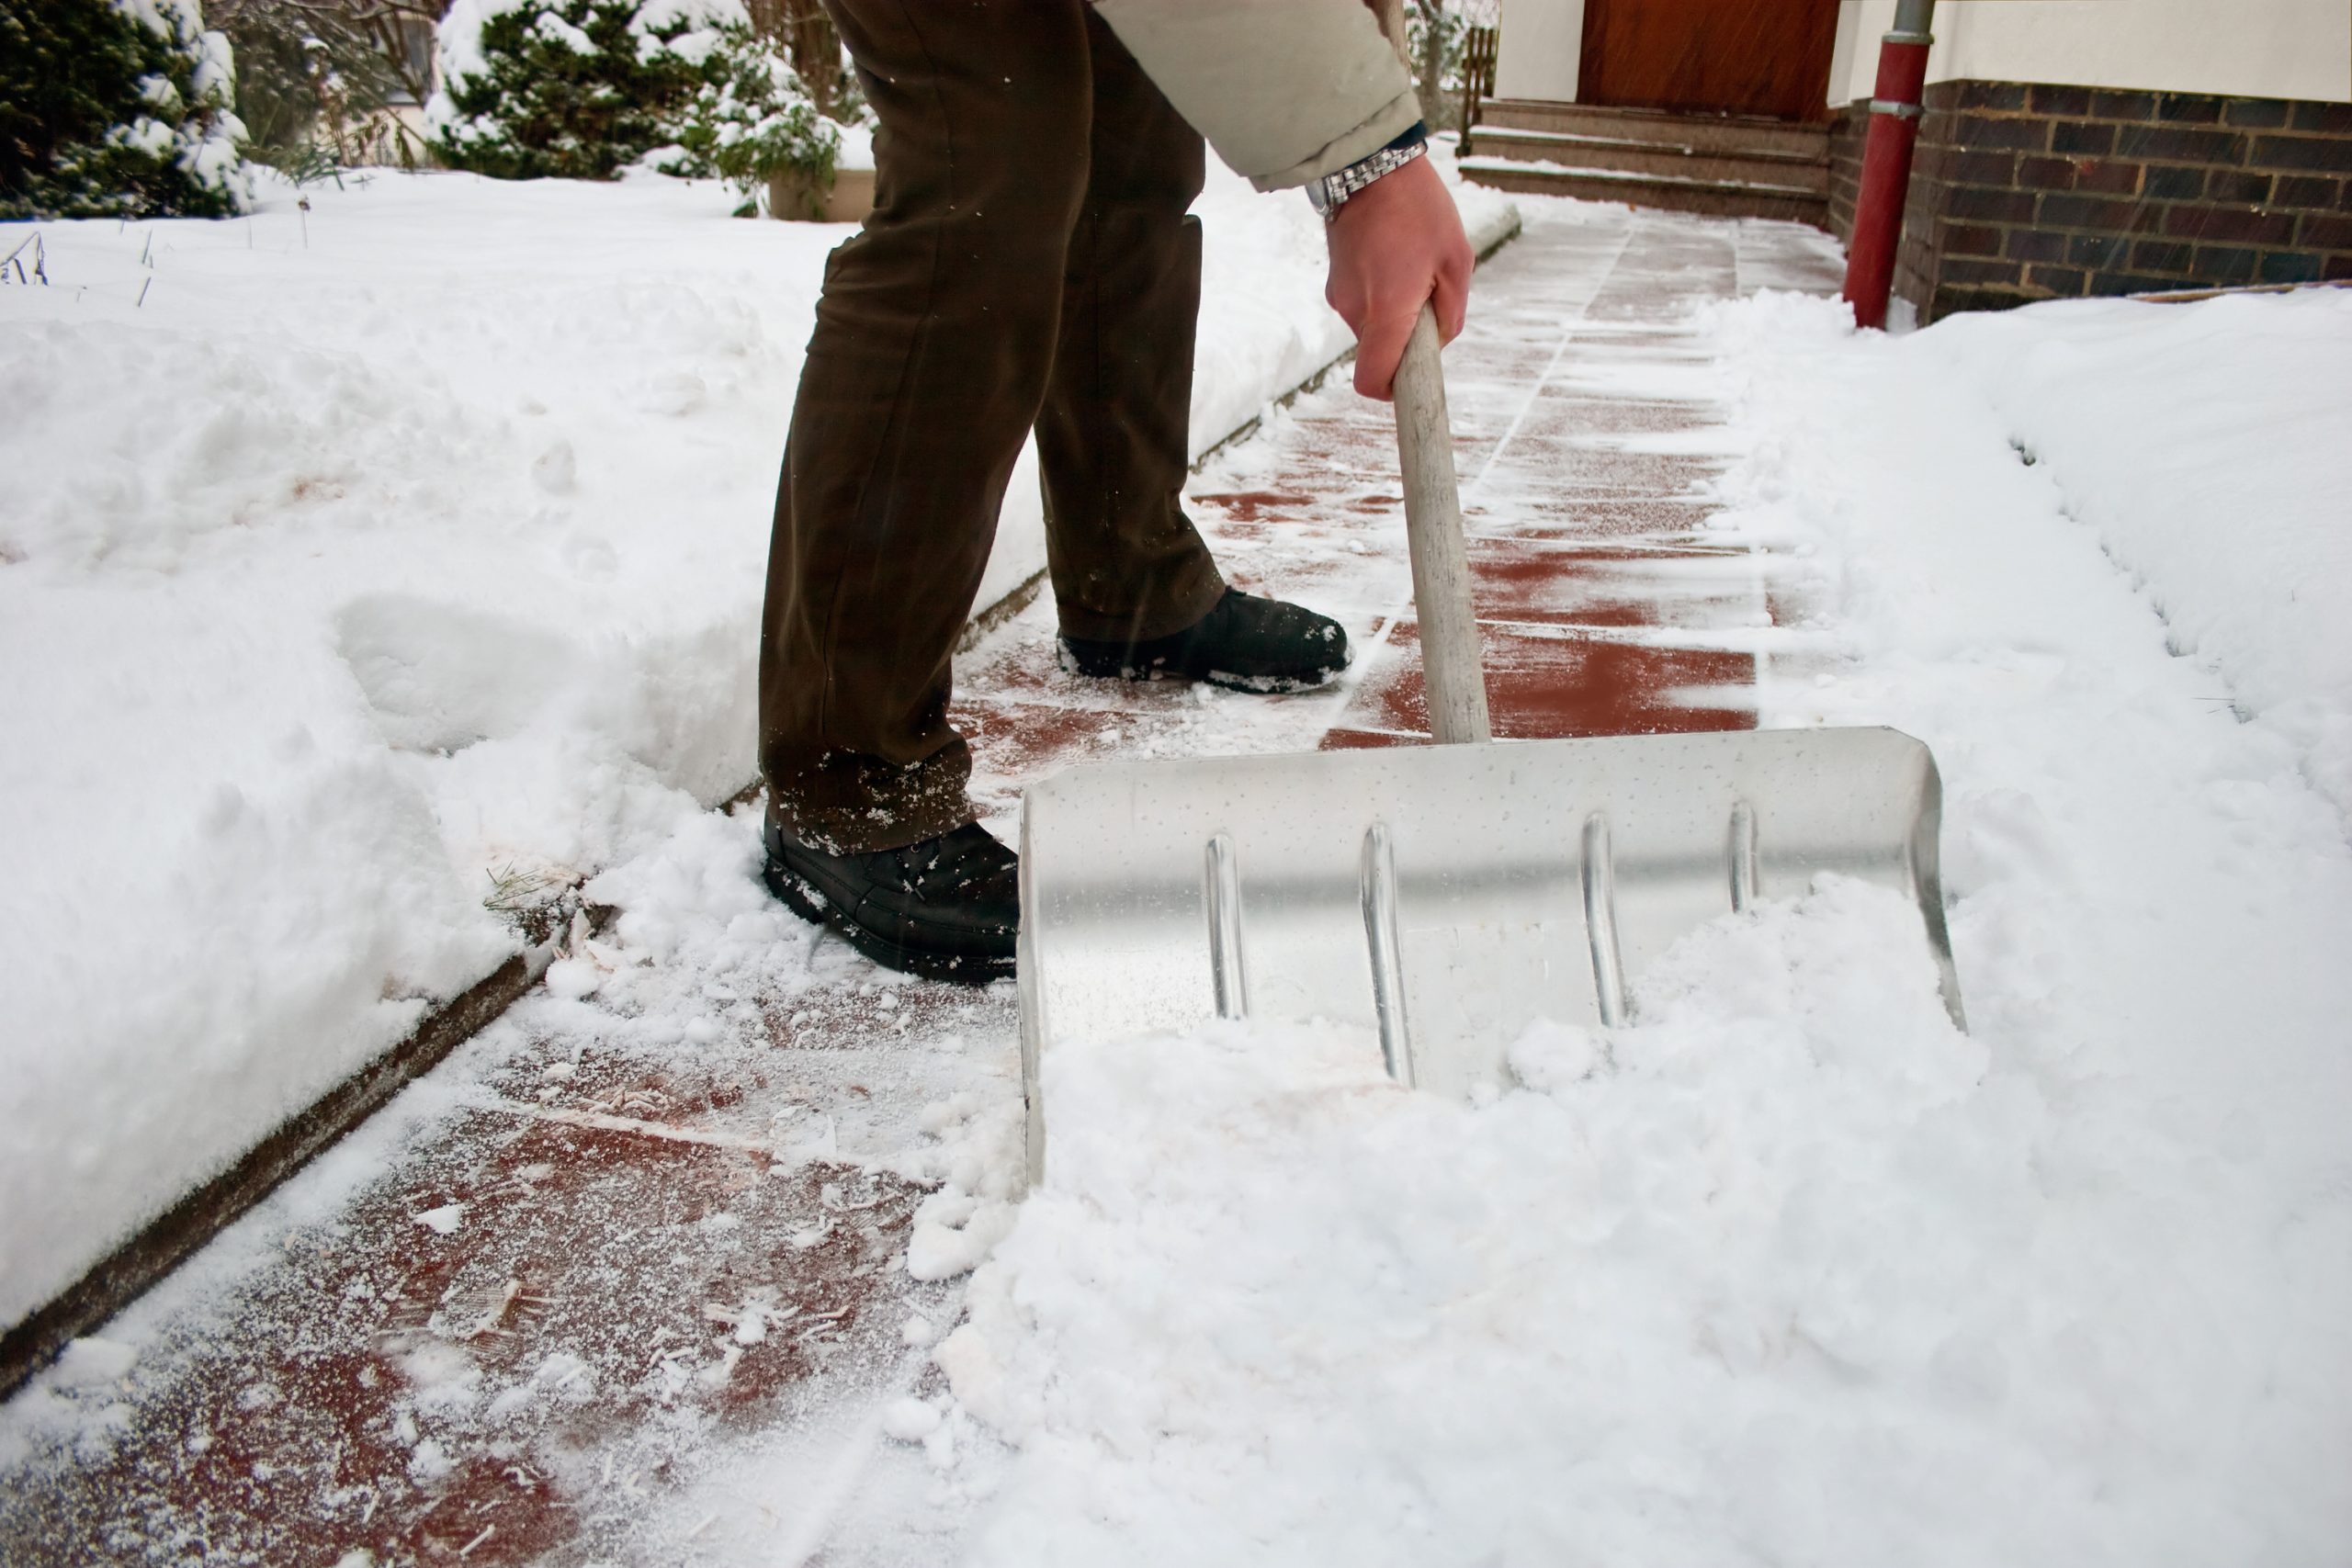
{"x": 1699, "y": 132}
{"x": 1720, "y": 165}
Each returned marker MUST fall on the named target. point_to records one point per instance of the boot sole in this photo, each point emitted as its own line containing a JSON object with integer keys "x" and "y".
{"x": 805, "y": 899}
{"x": 1264, "y": 685}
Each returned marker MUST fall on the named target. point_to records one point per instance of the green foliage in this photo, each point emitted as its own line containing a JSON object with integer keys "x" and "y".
{"x": 568, "y": 89}
{"x": 753, "y": 121}
{"x": 580, "y": 89}
{"x": 115, "y": 109}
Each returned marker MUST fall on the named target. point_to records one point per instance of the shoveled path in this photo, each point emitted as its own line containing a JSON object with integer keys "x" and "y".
{"x": 628, "y": 1278}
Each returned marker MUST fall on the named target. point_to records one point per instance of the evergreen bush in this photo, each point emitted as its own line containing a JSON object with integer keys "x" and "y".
{"x": 117, "y": 108}
{"x": 754, "y": 121}
{"x": 581, "y": 89}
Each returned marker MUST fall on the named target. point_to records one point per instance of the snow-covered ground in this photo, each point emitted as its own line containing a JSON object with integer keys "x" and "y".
{"x": 394, "y": 549}
{"x": 1790, "y": 1270}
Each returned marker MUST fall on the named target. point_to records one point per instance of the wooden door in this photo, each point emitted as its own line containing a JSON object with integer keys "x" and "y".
{"x": 1751, "y": 57}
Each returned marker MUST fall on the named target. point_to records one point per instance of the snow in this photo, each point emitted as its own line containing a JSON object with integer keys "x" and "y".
{"x": 1788, "y": 1271}
{"x": 2240, "y": 530}
{"x": 430, "y": 550}
{"x": 355, "y": 558}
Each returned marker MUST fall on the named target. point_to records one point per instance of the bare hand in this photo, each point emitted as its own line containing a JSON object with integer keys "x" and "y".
{"x": 1395, "y": 245}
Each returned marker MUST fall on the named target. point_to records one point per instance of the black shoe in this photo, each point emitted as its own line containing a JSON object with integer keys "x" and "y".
{"x": 948, "y": 908}
{"x": 1246, "y": 643}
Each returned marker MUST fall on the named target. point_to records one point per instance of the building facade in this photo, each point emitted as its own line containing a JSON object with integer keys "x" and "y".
{"x": 2069, "y": 147}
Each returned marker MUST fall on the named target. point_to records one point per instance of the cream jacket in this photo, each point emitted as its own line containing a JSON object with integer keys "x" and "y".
{"x": 1285, "y": 90}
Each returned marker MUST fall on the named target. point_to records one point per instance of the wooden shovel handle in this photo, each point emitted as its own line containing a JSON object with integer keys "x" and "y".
{"x": 1450, "y": 672}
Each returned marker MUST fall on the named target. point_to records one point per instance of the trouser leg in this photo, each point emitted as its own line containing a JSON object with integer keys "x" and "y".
{"x": 1112, "y": 439}
{"x": 933, "y": 344}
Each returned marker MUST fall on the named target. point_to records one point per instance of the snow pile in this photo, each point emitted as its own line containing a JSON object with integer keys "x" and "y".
{"x": 1790, "y": 1271}
{"x": 2210, "y": 445}
{"x": 362, "y": 565}
{"x": 1780, "y": 1274}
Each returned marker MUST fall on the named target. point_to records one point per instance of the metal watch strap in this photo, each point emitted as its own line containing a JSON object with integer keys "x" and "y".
{"x": 1330, "y": 193}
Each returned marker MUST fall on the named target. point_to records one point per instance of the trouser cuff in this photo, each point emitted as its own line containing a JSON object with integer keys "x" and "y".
{"x": 849, "y": 804}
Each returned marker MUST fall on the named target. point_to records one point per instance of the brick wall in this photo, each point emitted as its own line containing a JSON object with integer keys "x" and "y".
{"x": 1847, "y": 129}
{"x": 2022, "y": 192}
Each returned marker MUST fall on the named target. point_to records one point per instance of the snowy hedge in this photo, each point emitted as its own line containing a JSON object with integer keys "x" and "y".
{"x": 117, "y": 108}
{"x": 580, "y": 89}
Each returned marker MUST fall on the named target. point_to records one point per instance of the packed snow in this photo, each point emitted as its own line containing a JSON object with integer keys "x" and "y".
{"x": 391, "y": 552}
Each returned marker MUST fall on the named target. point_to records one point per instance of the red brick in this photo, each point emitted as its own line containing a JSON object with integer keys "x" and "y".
{"x": 1989, "y": 95}
{"x": 2189, "y": 108}
{"x": 1969, "y": 240}
{"x": 2291, "y": 266}
{"x": 1966, "y": 168}
{"x": 2338, "y": 268}
{"x": 2123, "y": 106}
{"x": 2181, "y": 145}
{"x": 2307, "y": 190}
{"x": 2106, "y": 177}
{"x": 2159, "y": 255}
{"x": 2093, "y": 140}
{"x": 2255, "y": 114}
{"x": 2234, "y": 225}
{"x": 1989, "y": 206}
{"x": 2064, "y": 281}
{"x": 2035, "y": 245}
{"x": 2237, "y": 187}
{"x": 2313, "y": 153}
{"x": 2166, "y": 184}
{"x": 1978, "y": 132}
{"x": 2325, "y": 231}
{"x": 2223, "y": 263}
{"x": 2086, "y": 212}
{"x": 2046, "y": 174}
{"x": 2050, "y": 99}
{"x": 2101, "y": 252}
{"x": 2335, "y": 119}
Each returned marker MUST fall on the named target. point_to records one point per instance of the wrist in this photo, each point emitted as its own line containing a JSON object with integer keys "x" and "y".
{"x": 1332, "y": 191}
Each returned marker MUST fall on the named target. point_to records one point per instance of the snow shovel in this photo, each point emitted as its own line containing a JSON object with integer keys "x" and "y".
{"x": 1442, "y": 897}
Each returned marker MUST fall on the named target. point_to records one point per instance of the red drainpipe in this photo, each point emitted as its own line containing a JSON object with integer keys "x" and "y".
{"x": 1886, "y": 162}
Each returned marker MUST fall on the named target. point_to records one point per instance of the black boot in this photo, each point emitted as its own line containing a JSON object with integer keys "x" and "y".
{"x": 948, "y": 908}
{"x": 1246, "y": 643}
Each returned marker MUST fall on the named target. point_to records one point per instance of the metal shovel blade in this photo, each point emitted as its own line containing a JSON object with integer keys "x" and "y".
{"x": 1443, "y": 896}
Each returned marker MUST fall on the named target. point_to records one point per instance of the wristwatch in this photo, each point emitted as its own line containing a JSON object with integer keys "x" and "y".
{"x": 1330, "y": 193}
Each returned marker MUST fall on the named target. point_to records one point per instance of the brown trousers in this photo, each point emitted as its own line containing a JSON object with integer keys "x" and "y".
{"x": 1028, "y": 263}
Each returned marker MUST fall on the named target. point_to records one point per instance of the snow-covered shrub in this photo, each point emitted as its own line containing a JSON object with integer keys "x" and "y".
{"x": 753, "y": 122}
{"x": 117, "y": 108}
{"x": 575, "y": 89}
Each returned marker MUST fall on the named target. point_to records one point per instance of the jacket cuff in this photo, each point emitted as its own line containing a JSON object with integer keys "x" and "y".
{"x": 1399, "y": 115}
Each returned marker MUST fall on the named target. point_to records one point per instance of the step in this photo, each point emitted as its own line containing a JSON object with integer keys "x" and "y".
{"x": 1699, "y": 132}
{"x": 1712, "y": 198}
{"x": 1792, "y": 169}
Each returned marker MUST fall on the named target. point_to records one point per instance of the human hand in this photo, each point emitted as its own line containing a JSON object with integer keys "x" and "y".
{"x": 1397, "y": 245}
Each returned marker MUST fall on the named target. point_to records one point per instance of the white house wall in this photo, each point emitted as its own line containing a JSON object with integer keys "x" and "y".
{"x": 2259, "y": 49}
{"x": 1541, "y": 48}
